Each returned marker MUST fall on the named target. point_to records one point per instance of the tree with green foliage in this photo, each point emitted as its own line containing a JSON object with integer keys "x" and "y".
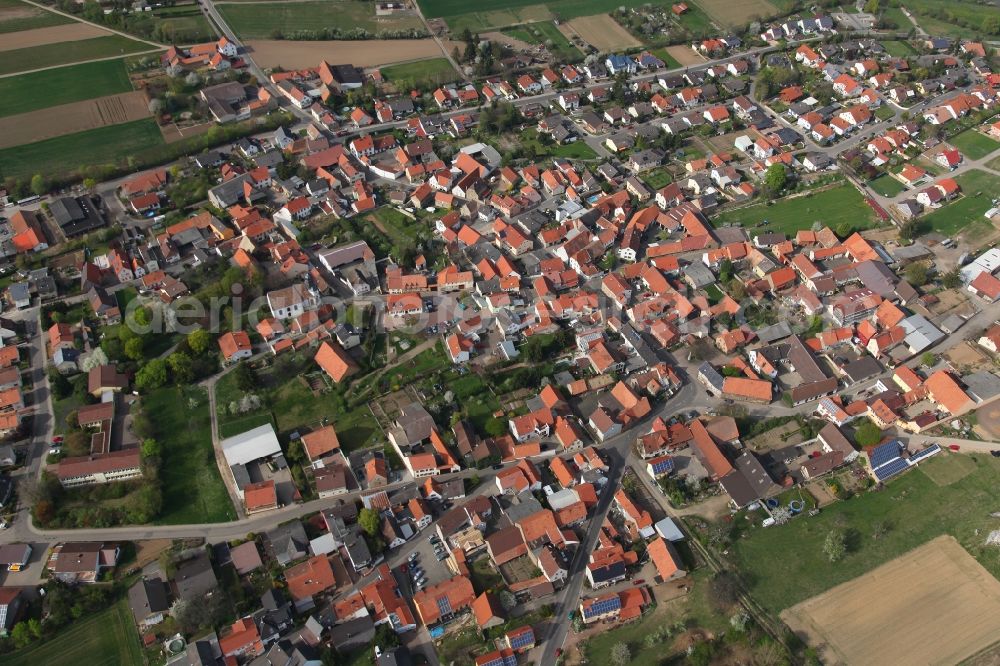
{"x": 246, "y": 378}
{"x": 59, "y": 385}
{"x": 928, "y": 359}
{"x": 951, "y": 279}
{"x": 198, "y": 341}
{"x": 775, "y": 179}
{"x": 370, "y": 521}
{"x": 153, "y": 375}
{"x": 181, "y": 368}
{"x": 133, "y": 348}
{"x": 150, "y": 448}
{"x": 867, "y": 433}
{"x": 39, "y": 185}
{"x": 916, "y": 274}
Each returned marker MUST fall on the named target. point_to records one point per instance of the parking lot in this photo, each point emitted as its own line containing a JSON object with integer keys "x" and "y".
{"x": 432, "y": 570}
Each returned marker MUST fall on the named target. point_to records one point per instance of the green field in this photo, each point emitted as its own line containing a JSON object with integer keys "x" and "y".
{"x": 899, "y": 49}
{"x": 423, "y": 73}
{"x": 502, "y": 13}
{"x": 540, "y": 33}
{"x": 978, "y": 190}
{"x": 263, "y": 20}
{"x": 887, "y": 186}
{"x": 65, "y": 154}
{"x": 37, "y": 57}
{"x": 51, "y": 87}
{"x": 786, "y": 564}
{"x": 667, "y": 59}
{"x": 959, "y": 19}
{"x": 185, "y": 21}
{"x": 107, "y": 638}
{"x": 974, "y": 145}
{"x": 840, "y": 206}
{"x": 193, "y": 491}
{"x": 39, "y": 18}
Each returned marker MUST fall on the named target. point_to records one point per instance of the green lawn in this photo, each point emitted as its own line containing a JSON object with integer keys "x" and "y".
{"x": 667, "y": 59}
{"x": 695, "y": 20}
{"x": 899, "y": 49}
{"x": 422, "y": 73}
{"x": 839, "y": 206}
{"x": 786, "y": 565}
{"x": 27, "y": 17}
{"x": 577, "y": 150}
{"x": 66, "y": 154}
{"x": 193, "y": 491}
{"x": 656, "y": 178}
{"x": 503, "y": 13}
{"x": 263, "y": 20}
{"x": 51, "y": 87}
{"x": 978, "y": 190}
{"x": 36, "y": 57}
{"x": 887, "y": 186}
{"x": 107, "y": 638}
{"x": 885, "y": 112}
{"x": 974, "y": 145}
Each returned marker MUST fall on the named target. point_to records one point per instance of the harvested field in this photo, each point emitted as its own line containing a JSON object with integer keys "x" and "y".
{"x": 730, "y": 14}
{"x": 70, "y": 118}
{"x": 603, "y": 32}
{"x": 900, "y": 612}
{"x": 507, "y": 40}
{"x": 367, "y": 53}
{"x": 684, "y": 55}
{"x": 70, "y": 32}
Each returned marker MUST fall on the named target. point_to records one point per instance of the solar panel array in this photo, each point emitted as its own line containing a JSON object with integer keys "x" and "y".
{"x": 929, "y": 451}
{"x": 522, "y": 639}
{"x": 444, "y": 606}
{"x": 603, "y": 606}
{"x": 883, "y": 453}
{"x": 663, "y": 466}
{"x": 891, "y": 469}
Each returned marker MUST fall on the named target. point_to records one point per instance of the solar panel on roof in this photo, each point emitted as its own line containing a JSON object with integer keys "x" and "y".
{"x": 663, "y": 466}
{"x": 891, "y": 469}
{"x": 523, "y": 639}
{"x": 883, "y": 453}
{"x": 444, "y": 606}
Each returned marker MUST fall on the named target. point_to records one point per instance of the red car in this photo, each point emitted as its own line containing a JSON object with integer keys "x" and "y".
{"x": 954, "y": 447}
{"x": 641, "y": 581}
{"x": 58, "y": 439}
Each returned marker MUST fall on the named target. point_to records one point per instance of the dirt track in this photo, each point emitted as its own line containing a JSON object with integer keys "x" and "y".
{"x": 933, "y": 605}
{"x": 366, "y": 53}
{"x": 70, "y": 32}
{"x": 603, "y": 32}
{"x": 70, "y": 118}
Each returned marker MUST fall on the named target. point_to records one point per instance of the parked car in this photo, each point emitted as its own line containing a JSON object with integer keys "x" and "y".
{"x": 954, "y": 447}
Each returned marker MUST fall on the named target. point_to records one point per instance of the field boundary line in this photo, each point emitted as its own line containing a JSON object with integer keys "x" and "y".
{"x": 82, "y": 62}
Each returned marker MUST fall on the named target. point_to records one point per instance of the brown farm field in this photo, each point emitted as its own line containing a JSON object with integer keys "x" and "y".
{"x": 367, "y": 53}
{"x": 730, "y": 14}
{"x": 603, "y": 32}
{"x": 70, "y": 118}
{"x": 933, "y": 605}
{"x": 684, "y": 55}
{"x": 55, "y": 34}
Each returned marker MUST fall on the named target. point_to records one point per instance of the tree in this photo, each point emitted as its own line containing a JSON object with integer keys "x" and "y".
{"x": 928, "y": 359}
{"x": 155, "y": 106}
{"x": 370, "y": 521}
{"x": 725, "y": 270}
{"x": 737, "y": 289}
{"x": 776, "y": 178}
{"x": 246, "y": 378}
{"x": 621, "y": 654}
{"x": 39, "y": 185}
{"x": 133, "y": 348}
{"x": 199, "y": 341}
{"x": 150, "y": 448}
{"x": 386, "y": 637}
{"x": 181, "y": 367}
{"x": 916, "y": 274}
{"x": 835, "y": 545}
{"x": 59, "y": 385}
{"x": 21, "y": 635}
{"x": 153, "y": 375}
{"x": 951, "y": 279}
{"x": 724, "y": 590}
{"x": 867, "y": 433}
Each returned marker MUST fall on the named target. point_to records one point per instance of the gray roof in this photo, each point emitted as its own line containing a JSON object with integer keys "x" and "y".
{"x": 260, "y": 442}
{"x": 147, "y": 597}
{"x": 982, "y": 385}
{"x": 920, "y": 333}
{"x": 518, "y": 511}
{"x": 66, "y": 210}
{"x": 774, "y": 332}
{"x": 288, "y": 542}
{"x": 195, "y": 577}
